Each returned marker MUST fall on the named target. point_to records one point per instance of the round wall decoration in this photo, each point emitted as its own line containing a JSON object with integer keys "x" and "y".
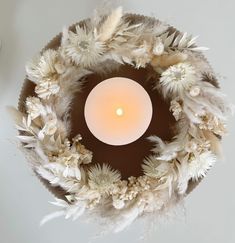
{"x": 120, "y": 117}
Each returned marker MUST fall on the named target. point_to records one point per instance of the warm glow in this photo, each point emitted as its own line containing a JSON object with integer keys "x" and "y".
{"x": 118, "y": 111}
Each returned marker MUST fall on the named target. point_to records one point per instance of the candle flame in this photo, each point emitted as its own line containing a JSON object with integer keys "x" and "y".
{"x": 119, "y": 111}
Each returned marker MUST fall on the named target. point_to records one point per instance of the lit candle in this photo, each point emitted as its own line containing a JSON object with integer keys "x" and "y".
{"x": 118, "y": 111}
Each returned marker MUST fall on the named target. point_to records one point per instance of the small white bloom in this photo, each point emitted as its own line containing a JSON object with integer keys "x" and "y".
{"x": 212, "y": 123}
{"x": 118, "y": 203}
{"x": 45, "y": 89}
{"x": 141, "y": 55}
{"x": 102, "y": 178}
{"x": 176, "y": 109}
{"x": 156, "y": 168}
{"x": 85, "y": 155}
{"x": 49, "y": 128}
{"x": 34, "y": 107}
{"x": 158, "y": 47}
{"x": 45, "y": 67}
{"x": 199, "y": 166}
{"x": 178, "y": 78}
{"x": 63, "y": 169}
{"x": 82, "y": 47}
{"x": 194, "y": 91}
{"x": 191, "y": 146}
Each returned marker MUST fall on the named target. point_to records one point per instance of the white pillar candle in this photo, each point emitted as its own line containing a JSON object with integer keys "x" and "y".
{"x": 118, "y": 111}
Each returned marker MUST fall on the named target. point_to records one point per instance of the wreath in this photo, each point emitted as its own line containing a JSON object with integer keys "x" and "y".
{"x": 186, "y": 81}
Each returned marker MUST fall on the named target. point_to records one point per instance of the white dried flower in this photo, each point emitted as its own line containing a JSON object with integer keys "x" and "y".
{"x": 45, "y": 89}
{"x": 118, "y": 203}
{"x": 158, "y": 47}
{"x": 194, "y": 91}
{"x": 49, "y": 128}
{"x": 82, "y": 47}
{"x": 191, "y": 146}
{"x": 68, "y": 158}
{"x": 102, "y": 178}
{"x": 85, "y": 155}
{"x": 178, "y": 78}
{"x": 45, "y": 67}
{"x": 65, "y": 170}
{"x": 176, "y": 109}
{"x": 197, "y": 146}
{"x": 212, "y": 123}
{"x": 200, "y": 164}
{"x": 156, "y": 168}
{"x": 34, "y": 107}
{"x": 141, "y": 55}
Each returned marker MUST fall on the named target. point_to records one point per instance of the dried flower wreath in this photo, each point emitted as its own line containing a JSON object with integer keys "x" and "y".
{"x": 186, "y": 80}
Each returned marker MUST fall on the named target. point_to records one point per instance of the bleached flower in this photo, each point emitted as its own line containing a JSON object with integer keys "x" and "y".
{"x": 82, "y": 47}
{"x": 68, "y": 158}
{"x": 85, "y": 155}
{"x": 194, "y": 91}
{"x": 45, "y": 89}
{"x": 63, "y": 169}
{"x": 118, "y": 203}
{"x": 46, "y": 67}
{"x": 200, "y": 164}
{"x": 178, "y": 78}
{"x": 197, "y": 146}
{"x": 212, "y": 123}
{"x": 49, "y": 128}
{"x": 102, "y": 178}
{"x": 141, "y": 55}
{"x": 176, "y": 109}
{"x": 34, "y": 107}
{"x": 156, "y": 168}
{"x": 158, "y": 47}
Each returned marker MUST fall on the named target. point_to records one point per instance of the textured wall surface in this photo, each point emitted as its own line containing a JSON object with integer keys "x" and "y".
{"x": 25, "y": 27}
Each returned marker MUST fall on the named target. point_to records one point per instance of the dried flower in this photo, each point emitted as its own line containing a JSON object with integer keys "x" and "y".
{"x": 45, "y": 89}
{"x": 197, "y": 146}
{"x": 45, "y": 67}
{"x": 50, "y": 124}
{"x": 85, "y": 155}
{"x": 82, "y": 47}
{"x": 102, "y": 178}
{"x": 158, "y": 47}
{"x": 66, "y": 170}
{"x": 50, "y": 127}
{"x": 178, "y": 78}
{"x": 200, "y": 164}
{"x": 176, "y": 109}
{"x": 156, "y": 168}
{"x": 212, "y": 123}
{"x": 141, "y": 55}
{"x": 34, "y": 107}
{"x": 194, "y": 91}
{"x": 118, "y": 203}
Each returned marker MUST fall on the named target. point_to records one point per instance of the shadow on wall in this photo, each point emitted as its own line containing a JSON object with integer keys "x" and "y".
{"x": 9, "y": 51}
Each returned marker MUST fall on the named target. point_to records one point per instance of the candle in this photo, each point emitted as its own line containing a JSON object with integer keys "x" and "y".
{"x": 118, "y": 111}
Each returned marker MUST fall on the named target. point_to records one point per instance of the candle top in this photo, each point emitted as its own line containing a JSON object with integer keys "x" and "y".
{"x": 118, "y": 111}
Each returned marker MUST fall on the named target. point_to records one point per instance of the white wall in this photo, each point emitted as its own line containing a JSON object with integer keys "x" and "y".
{"x": 25, "y": 27}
